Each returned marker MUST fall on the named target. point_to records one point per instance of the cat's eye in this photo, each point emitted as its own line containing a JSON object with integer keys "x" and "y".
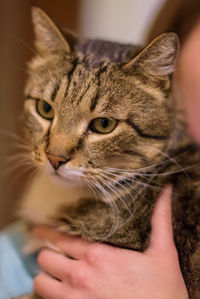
{"x": 44, "y": 109}
{"x": 103, "y": 125}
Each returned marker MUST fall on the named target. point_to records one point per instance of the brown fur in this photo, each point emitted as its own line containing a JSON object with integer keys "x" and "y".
{"x": 126, "y": 168}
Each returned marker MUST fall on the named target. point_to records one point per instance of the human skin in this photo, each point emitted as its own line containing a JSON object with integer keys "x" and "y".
{"x": 99, "y": 271}
{"x": 187, "y": 78}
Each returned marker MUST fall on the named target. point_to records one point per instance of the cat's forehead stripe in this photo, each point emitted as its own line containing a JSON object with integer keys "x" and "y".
{"x": 79, "y": 81}
{"x": 94, "y": 101}
{"x": 55, "y": 90}
{"x": 61, "y": 89}
{"x": 70, "y": 74}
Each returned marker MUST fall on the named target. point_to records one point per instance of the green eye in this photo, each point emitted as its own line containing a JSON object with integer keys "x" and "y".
{"x": 103, "y": 125}
{"x": 45, "y": 110}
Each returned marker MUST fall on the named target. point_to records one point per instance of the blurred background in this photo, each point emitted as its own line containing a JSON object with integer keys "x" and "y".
{"x": 127, "y": 21}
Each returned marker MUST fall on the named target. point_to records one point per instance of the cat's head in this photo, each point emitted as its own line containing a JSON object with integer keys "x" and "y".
{"x": 92, "y": 107}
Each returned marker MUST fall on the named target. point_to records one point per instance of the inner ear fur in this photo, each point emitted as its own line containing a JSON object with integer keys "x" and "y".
{"x": 158, "y": 59}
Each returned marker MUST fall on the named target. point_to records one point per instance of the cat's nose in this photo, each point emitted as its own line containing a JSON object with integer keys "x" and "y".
{"x": 56, "y": 161}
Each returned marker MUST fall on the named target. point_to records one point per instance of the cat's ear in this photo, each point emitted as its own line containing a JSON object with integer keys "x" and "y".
{"x": 48, "y": 38}
{"x": 158, "y": 59}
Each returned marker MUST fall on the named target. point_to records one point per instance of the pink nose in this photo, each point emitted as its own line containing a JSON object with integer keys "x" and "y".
{"x": 56, "y": 161}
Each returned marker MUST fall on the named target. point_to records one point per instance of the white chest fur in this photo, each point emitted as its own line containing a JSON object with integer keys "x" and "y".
{"x": 45, "y": 197}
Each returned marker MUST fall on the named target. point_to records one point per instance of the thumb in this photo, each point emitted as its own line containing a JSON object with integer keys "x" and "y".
{"x": 162, "y": 232}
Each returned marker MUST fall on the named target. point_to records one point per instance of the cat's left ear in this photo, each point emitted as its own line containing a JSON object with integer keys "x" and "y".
{"x": 158, "y": 59}
{"x": 48, "y": 38}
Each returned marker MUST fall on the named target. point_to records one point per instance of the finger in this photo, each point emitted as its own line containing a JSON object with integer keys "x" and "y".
{"x": 54, "y": 263}
{"x": 72, "y": 246}
{"x": 162, "y": 232}
{"x": 47, "y": 287}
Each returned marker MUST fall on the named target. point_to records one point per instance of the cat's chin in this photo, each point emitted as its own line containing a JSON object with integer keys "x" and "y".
{"x": 66, "y": 176}
{"x": 68, "y": 181}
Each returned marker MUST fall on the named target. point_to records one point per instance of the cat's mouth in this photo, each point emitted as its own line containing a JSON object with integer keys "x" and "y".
{"x": 79, "y": 176}
{"x": 68, "y": 176}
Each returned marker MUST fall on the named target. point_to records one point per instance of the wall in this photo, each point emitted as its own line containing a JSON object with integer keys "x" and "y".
{"x": 125, "y": 21}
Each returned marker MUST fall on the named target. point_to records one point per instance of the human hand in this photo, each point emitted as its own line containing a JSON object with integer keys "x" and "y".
{"x": 100, "y": 271}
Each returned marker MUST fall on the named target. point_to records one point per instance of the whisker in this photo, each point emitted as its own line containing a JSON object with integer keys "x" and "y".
{"x": 26, "y": 45}
{"x": 31, "y": 49}
{"x": 25, "y": 71}
{"x": 146, "y": 168}
{"x": 31, "y": 170}
{"x": 157, "y": 174}
{"x": 173, "y": 160}
{"x": 115, "y": 216}
{"x": 91, "y": 188}
{"x": 134, "y": 188}
{"x": 123, "y": 177}
{"x": 120, "y": 224}
{"x": 117, "y": 196}
{"x": 15, "y": 168}
{"x": 11, "y": 134}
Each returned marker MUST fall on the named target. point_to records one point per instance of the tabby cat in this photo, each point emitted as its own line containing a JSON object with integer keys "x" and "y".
{"x": 107, "y": 135}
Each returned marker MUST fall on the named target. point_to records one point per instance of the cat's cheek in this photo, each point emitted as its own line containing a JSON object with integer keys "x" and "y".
{"x": 128, "y": 160}
{"x": 39, "y": 157}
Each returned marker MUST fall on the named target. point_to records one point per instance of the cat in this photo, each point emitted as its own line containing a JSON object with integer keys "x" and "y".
{"x": 107, "y": 135}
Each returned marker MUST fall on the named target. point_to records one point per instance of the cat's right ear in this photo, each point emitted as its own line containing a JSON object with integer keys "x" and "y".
{"x": 48, "y": 38}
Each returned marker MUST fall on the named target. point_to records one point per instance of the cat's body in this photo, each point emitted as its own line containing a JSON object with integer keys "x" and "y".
{"x": 134, "y": 232}
{"x": 101, "y": 119}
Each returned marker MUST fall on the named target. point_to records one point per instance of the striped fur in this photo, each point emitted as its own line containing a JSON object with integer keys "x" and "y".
{"x": 126, "y": 169}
